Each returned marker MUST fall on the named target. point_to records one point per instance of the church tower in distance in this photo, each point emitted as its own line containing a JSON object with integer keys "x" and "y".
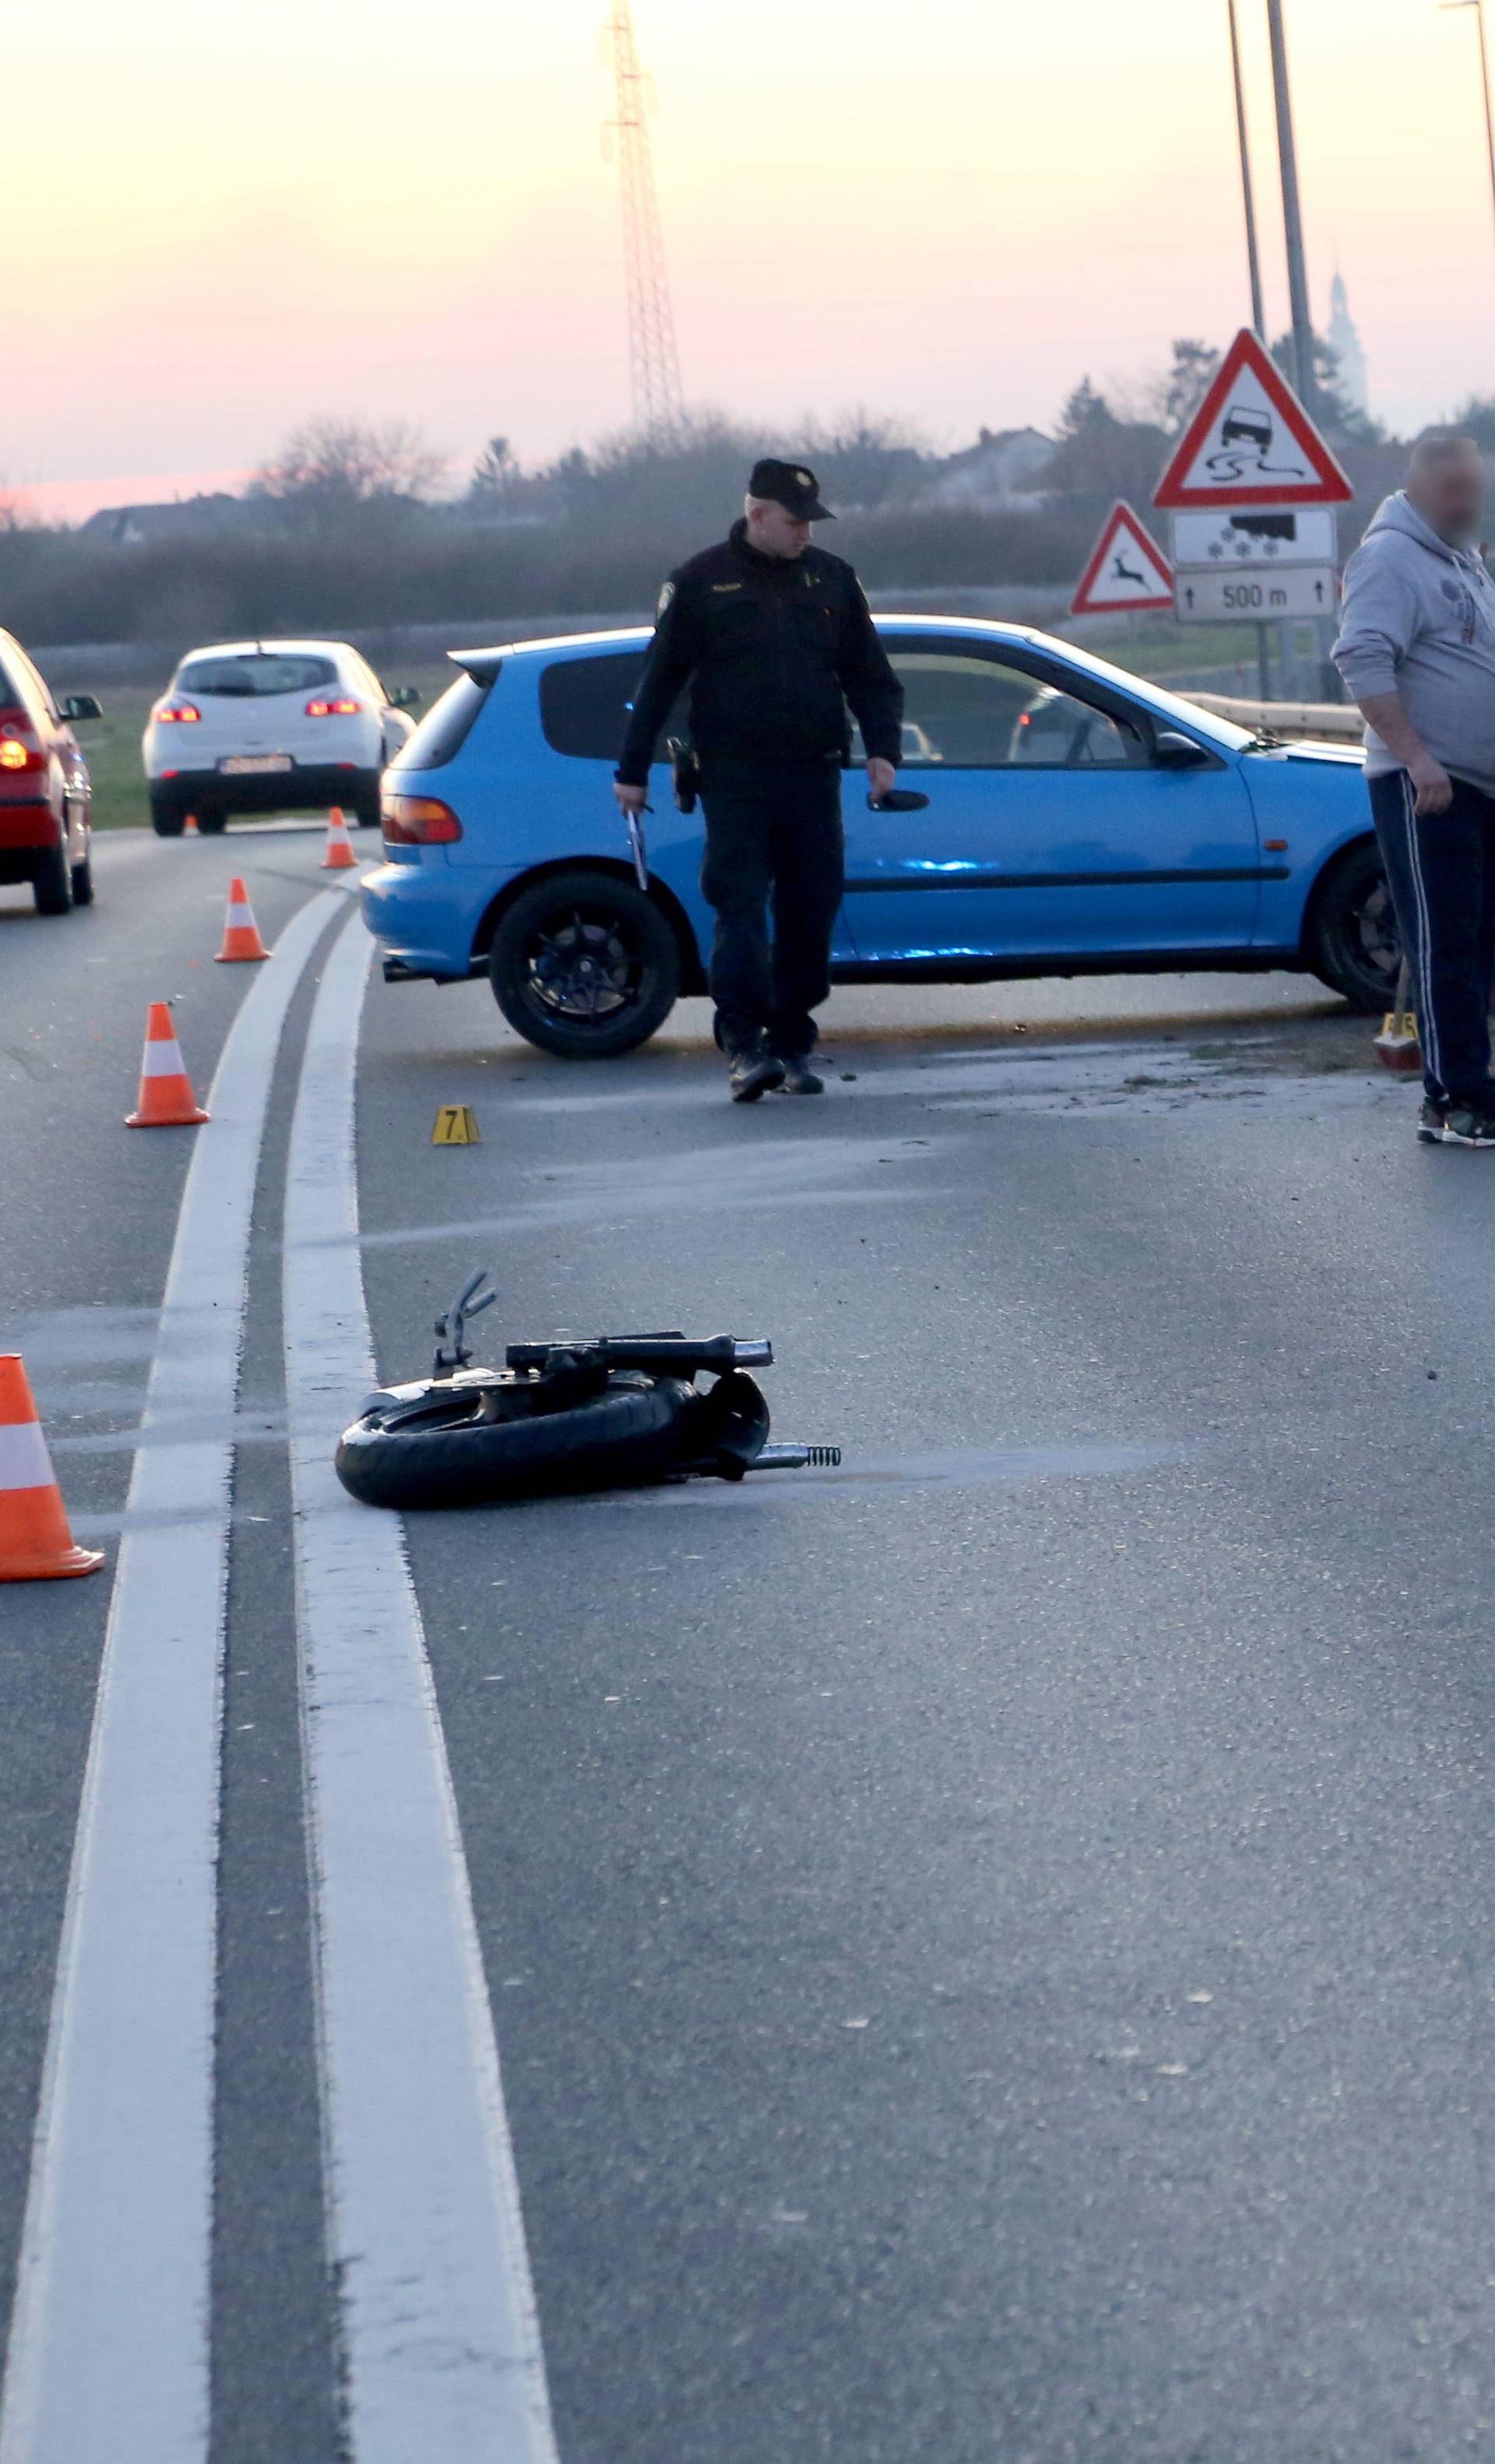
{"x": 1344, "y": 341}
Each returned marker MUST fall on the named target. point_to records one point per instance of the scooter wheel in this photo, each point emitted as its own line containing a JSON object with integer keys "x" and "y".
{"x": 454, "y": 1455}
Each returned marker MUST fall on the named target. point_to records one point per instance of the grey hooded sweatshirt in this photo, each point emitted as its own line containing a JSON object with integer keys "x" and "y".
{"x": 1418, "y": 621}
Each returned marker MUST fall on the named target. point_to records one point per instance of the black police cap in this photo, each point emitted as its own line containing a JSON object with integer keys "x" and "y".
{"x": 791, "y": 485}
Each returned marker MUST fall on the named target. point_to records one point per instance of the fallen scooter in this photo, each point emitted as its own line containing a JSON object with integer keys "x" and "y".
{"x": 623, "y": 1411}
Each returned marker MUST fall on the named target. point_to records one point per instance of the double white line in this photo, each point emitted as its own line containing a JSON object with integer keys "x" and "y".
{"x": 110, "y": 2337}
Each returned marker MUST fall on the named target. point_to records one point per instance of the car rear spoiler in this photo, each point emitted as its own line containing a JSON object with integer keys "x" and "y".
{"x": 482, "y": 665}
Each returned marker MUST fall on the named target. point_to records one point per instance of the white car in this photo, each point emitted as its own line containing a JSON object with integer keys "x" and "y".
{"x": 270, "y": 727}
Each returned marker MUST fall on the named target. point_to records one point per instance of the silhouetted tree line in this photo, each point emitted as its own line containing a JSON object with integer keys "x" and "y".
{"x": 344, "y": 528}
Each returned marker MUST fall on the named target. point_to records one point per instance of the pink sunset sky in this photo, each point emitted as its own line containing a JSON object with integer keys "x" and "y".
{"x": 950, "y": 212}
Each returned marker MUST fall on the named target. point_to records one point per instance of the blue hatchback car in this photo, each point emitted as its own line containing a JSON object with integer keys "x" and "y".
{"x": 1079, "y": 820}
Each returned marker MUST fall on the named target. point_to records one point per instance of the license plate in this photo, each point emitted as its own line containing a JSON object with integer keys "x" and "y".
{"x": 238, "y": 762}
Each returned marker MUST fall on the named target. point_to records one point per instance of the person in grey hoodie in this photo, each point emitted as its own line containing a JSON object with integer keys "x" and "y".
{"x": 1416, "y": 651}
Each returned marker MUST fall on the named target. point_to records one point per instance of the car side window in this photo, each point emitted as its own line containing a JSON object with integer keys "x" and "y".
{"x": 33, "y": 685}
{"x": 978, "y": 714}
{"x": 585, "y": 705}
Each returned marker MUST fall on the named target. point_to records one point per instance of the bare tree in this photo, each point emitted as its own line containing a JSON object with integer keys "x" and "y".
{"x": 332, "y": 465}
{"x": 865, "y": 457}
{"x": 496, "y": 474}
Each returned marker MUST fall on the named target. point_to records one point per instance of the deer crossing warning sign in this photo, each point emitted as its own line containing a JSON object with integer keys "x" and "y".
{"x": 1127, "y": 568}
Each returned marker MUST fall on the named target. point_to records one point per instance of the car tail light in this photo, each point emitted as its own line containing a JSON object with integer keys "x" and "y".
{"x": 178, "y": 712}
{"x": 343, "y": 709}
{"x": 418, "y": 821}
{"x": 19, "y": 749}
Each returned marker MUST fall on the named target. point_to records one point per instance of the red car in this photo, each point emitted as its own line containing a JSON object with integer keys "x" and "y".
{"x": 44, "y": 790}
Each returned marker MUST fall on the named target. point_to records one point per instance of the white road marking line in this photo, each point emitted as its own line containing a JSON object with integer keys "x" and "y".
{"x": 441, "y": 2338}
{"x": 108, "y": 2358}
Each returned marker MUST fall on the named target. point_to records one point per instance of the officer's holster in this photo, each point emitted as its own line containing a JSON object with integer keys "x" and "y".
{"x": 686, "y": 764}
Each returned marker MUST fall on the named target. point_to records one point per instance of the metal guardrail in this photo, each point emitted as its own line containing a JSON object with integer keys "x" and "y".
{"x": 1326, "y": 722}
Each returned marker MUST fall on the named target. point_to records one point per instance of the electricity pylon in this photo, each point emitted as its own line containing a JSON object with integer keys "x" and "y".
{"x": 653, "y": 359}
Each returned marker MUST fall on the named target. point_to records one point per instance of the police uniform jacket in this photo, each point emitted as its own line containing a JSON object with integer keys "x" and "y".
{"x": 775, "y": 648}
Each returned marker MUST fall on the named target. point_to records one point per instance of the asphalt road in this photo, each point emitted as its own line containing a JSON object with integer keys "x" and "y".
{"x": 988, "y": 1947}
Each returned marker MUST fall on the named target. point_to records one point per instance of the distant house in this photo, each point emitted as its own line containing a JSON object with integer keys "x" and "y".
{"x": 189, "y": 518}
{"x": 1000, "y": 468}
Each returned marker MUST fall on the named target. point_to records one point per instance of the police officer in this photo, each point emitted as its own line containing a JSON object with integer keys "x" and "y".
{"x": 776, "y": 639}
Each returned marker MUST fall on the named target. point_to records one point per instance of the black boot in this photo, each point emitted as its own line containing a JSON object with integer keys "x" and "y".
{"x": 799, "y": 1077}
{"x": 753, "y": 1071}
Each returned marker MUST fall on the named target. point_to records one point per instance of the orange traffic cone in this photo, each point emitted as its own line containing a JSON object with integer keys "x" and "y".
{"x": 240, "y": 931}
{"x": 165, "y": 1100}
{"x": 340, "y": 846}
{"x": 34, "y": 1538}
{"x": 190, "y": 828}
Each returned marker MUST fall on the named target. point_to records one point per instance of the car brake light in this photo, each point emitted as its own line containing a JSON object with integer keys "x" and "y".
{"x": 342, "y": 709}
{"x": 418, "y": 821}
{"x": 178, "y": 711}
{"x": 19, "y": 749}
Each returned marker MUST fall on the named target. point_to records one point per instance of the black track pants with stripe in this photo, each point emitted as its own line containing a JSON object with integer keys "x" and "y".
{"x": 1441, "y": 870}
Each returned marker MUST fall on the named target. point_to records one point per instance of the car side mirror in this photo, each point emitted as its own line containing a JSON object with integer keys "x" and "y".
{"x": 899, "y": 800}
{"x": 1173, "y": 750}
{"x": 81, "y": 706}
{"x": 404, "y": 696}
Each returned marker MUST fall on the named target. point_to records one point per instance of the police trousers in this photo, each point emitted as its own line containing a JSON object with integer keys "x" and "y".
{"x": 1440, "y": 869}
{"x": 774, "y": 843}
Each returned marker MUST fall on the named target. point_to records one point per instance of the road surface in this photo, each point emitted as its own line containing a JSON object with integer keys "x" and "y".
{"x": 985, "y": 1952}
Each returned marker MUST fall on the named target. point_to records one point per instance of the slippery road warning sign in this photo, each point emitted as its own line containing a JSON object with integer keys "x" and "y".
{"x": 1127, "y": 569}
{"x": 1251, "y": 443}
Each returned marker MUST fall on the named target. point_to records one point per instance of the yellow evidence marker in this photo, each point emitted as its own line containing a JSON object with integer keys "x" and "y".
{"x": 456, "y": 1125}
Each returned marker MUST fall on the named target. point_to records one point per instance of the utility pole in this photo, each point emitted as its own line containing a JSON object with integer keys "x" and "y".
{"x": 1264, "y": 661}
{"x": 1292, "y": 215}
{"x": 1478, "y": 6}
{"x": 1247, "y": 199}
{"x": 1304, "y": 375}
{"x": 653, "y": 359}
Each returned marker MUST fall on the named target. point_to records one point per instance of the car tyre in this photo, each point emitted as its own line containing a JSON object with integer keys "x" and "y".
{"x": 167, "y": 818}
{"x": 82, "y": 877}
{"x": 585, "y": 966}
{"x": 366, "y": 806}
{"x": 1353, "y": 941}
{"x": 213, "y": 823}
{"x": 459, "y": 1457}
{"x": 52, "y": 883}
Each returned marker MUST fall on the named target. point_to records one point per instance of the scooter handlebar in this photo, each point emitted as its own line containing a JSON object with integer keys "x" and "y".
{"x": 661, "y": 1355}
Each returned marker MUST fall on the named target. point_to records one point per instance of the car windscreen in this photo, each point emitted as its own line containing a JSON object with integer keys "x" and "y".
{"x": 1172, "y": 708}
{"x": 251, "y": 674}
{"x": 446, "y": 726}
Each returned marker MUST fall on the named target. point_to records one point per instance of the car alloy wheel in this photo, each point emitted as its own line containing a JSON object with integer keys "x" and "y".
{"x": 582, "y": 964}
{"x": 1354, "y": 947}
